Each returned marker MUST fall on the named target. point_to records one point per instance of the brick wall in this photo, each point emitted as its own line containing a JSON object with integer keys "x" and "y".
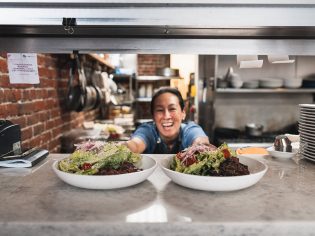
{"x": 40, "y": 109}
{"x": 148, "y": 63}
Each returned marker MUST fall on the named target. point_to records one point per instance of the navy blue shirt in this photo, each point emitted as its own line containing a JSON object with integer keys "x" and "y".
{"x": 154, "y": 144}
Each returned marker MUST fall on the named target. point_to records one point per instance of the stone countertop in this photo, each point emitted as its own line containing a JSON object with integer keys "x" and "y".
{"x": 36, "y": 202}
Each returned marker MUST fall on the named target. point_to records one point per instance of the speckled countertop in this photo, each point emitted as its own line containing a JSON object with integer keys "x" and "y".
{"x": 36, "y": 202}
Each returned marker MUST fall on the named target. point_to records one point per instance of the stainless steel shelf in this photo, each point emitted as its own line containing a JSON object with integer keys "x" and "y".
{"x": 150, "y": 78}
{"x": 265, "y": 90}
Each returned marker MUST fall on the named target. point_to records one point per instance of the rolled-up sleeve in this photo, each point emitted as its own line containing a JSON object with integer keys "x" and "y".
{"x": 190, "y": 132}
{"x": 146, "y": 133}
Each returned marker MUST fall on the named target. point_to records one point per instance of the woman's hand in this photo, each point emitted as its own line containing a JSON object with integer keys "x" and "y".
{"x": 136, "y": 145}
{"x": 202, "y": 140}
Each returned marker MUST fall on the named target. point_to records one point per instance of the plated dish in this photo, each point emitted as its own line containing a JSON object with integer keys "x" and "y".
{"x": 196, "y": 181}
{"x": 104, "y": 166}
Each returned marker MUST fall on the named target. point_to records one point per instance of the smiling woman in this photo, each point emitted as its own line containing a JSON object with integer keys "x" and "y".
{"x": 167, "y": 133}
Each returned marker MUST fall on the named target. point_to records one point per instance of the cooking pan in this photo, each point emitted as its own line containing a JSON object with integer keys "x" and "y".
{"x": 90, "y": 98}
{"x": 254, "y": 130}
{"x": 100, "y": 97}
{"x": 74, "y": 92}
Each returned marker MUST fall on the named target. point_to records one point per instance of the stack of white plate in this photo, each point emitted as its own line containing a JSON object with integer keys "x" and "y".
{"x": 307, "y": 131}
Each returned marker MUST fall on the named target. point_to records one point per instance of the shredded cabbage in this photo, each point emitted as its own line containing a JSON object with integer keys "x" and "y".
{"x": 203, "y": 160}
{"x": 97, "y": 156}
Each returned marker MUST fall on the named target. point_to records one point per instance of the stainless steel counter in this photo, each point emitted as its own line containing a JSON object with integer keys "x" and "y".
{"x": 36, "y": 202}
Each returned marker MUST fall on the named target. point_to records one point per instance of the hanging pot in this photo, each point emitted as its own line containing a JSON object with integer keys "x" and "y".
{"x": 254, "y": 130}
{"x": 100, "y": 97}
{"x": 74, "y": 92}
{"x": 90, "y": 98}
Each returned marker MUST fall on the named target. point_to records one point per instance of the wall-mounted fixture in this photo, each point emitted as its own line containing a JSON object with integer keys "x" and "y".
{"x": 279, "y": 59}
{"x": 249, "y": 61}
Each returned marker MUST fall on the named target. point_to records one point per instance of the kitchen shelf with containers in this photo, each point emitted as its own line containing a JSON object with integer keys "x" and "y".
{"x": 145, "y": 86}
{"x": 267, "y": 85}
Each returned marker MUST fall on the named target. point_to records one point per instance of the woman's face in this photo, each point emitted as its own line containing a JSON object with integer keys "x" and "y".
{"x": 168, "y": 115}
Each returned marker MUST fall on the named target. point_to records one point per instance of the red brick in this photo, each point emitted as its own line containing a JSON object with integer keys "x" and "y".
{"x": 32, "y": 119}
{"x": 3, "y": 108}
{"x": 50, "y": 124}
{"x": 58, "y": 122}
{"x": 43, "y": 72}
{"x": 39, "y": 106}
{"x": 4, "y": 81}
{"x": 26, "y": 145}
{"x": 17, "y": 94}
{"x": 21, "y": 86}
{"x": 35, "y": 142}
{"x": 3, "y": 66}
{"x": 40, "y": 60}
{"x": 27, "y": 133}
{"x": 55, "y": 113}
{"x": 3, "y": 55}
{"x": 44, "y": 116}
{"x": 21, "y": 120}
{"x": 25, "y": 108}
{"x": 12, "y": 109}
{"x": 38, "y": 129}
{"x": 39, "y": 93}
{"x": 46, "y": 137}
{"x": 56, "y": 131}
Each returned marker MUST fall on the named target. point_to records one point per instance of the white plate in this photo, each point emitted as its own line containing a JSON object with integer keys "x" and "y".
{"x": 109, "y": 181}
{"x": 312, "y": 106}
{"x": 310, "y": 159}
{"x": 306, "y": 117}
{"x": 306, "y": 125}
{"x": 256, "y": 168}
{"x": 308, "y": 156}
{"x": 308, "y": 120}
{"x": 282, "y": 155}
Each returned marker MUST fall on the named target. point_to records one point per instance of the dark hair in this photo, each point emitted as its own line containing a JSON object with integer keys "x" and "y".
{"x": 167, "y": 90}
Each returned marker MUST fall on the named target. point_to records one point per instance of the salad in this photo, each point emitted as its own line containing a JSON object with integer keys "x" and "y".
{"x": 99, "y": 158}
{"x": 202, "y": 159}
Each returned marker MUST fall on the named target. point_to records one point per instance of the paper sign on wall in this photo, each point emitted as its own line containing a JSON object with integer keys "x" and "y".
{"x": 23, "y": 68}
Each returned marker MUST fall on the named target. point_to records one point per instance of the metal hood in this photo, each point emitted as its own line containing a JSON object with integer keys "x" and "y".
{"x": 178, "y": 26}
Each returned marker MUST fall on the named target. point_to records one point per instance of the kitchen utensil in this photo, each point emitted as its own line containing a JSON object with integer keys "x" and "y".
{"x": 74, "y": 92}
{"x": 253, "y": 129}
{"x": 233, "y": 79}
{"x": 282, "y": 144}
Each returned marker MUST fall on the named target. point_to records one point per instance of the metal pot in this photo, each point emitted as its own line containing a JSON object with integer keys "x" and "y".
{"x": 254, "y": 130}
{"x": 168, "y": 72}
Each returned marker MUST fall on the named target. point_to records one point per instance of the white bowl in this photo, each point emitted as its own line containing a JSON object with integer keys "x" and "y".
{"x": 270, "y": 83}
{"x": 256, "y": 168}
{"x": 292, "y": 83}
{"x": 251, "y": 84}
{"x": 282, "y": 155}
{"x": 109, "y": 181}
